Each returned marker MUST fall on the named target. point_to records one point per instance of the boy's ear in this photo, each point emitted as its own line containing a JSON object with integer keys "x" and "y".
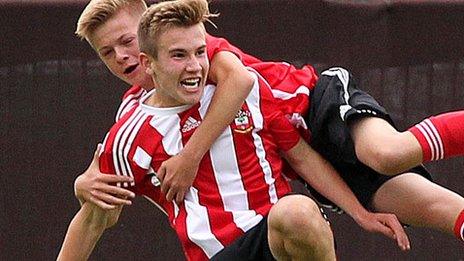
{"x": 145, "y": 61}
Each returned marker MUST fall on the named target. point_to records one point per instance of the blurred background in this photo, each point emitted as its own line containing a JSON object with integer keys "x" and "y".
{"x": 58, "y": 100}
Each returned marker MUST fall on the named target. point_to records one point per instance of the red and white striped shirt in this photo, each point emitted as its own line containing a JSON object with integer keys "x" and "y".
{"x": 237, "y": 182}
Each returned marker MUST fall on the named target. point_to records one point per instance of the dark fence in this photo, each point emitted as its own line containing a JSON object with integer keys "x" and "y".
{"x": 58, "y": 100}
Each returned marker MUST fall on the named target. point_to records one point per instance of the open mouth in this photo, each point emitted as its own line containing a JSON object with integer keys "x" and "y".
{"x": 130, "y": 68}
{"x": 191, "y": 83}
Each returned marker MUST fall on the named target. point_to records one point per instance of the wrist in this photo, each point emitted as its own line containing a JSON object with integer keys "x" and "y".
{"x": 192, "y": 154}
{"x": 356, "y": 211}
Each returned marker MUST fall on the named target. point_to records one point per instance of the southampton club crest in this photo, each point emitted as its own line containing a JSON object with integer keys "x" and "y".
{"x": 243, "y": 122}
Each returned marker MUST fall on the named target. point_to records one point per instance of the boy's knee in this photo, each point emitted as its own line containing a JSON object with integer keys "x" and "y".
{"x": 298, "y": 214}
{"x": 383, "y": 159}
{"x": 298, "y": 230}
{"x": 382, "y": 147}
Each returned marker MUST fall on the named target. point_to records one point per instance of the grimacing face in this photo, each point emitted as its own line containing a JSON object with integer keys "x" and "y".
{"x": 116, "y": 44}
{"x": 181, "y": 66}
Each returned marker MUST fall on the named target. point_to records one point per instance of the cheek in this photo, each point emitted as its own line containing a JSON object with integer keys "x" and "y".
{"x": 133, "y": 46}
{"x": 205, "y": 64}
{"x": 134, "y": 51}
{"x": 170, "y": 72}
{"x": 111, "y": 65}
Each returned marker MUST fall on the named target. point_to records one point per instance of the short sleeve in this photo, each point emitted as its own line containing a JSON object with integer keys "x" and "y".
{"x": 283, "y": 132}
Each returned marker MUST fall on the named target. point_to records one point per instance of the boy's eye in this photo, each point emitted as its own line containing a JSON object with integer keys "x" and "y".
{"x": 128, "y": 40}
{"x": 106, "y": 53}
{"x": 178, "y": 55}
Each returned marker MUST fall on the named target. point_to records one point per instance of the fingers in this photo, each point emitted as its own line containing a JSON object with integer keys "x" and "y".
{"x": 96, "y": 156}
{"x": 170, "y": 191}
{"x": 101, "y": 204}
{"x": 175, "y": 181}
{"x": 97, "y": 150}
{"x": 110, "y": 199}
{"x": 161, "y": 174}
{"x": 107, "y": 201}
{"x": 117, "y": 191}
{"x": 100, "y": 191}
{"x": 175, "y": 194}
{"x": 383, "y": 227}
{"x": 170, "y": 194}
{"x": 398, "y": 231}
{"x": 389, "y": 225}
{"x": 180, "y": 197}
{"x": 166, "y": 184}
{"x": 104, "y": 182}
{"x": 173, "y": 191}
{"x": 108, "y": 178}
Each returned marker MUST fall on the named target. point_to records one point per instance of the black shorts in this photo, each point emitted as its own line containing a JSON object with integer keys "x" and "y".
{"x": 253, "y": 245}
{"x": 335, "y": 101}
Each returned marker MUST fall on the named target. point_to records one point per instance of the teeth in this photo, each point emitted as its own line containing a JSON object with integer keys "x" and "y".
{"x": 191, "y": 83}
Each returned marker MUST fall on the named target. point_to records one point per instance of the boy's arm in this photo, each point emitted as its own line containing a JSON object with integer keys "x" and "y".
{"x": 324, "y": 178}
{"x": 85, "y": 230}
{"x": 233, "y": 85}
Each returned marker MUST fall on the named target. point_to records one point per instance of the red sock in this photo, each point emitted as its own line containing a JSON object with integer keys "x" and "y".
{"x": 459, "y": 226}
{"x": 441, "y": 136}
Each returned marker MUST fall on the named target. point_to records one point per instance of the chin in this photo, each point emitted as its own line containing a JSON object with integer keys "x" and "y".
{"x": 141, "y": 81}
{"x": 192, "y": 101}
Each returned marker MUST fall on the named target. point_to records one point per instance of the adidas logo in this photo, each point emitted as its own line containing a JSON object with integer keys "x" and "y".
{"x": 190, "y": 124}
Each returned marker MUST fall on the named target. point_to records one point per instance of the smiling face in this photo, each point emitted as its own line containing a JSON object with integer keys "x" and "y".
{"x": 180, "y": 67}
{"x": 116, "y": 43}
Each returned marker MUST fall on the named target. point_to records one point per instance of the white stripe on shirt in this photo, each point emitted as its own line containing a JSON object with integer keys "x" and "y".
{"x": 198, "y": 226}
{"x": 253, "y": 102}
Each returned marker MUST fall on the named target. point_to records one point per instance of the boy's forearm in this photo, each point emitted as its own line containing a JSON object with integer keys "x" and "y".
{"x": 220, "y": 114}
{"x": 84, "y": 231}
{"x": 324, "y": 178}
{"x": 233, "y": 86}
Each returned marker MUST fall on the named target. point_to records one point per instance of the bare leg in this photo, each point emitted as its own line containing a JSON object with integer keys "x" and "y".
{"x": 383, "y": 148}
{"x": 297, "y": 231}
{"x": 419, "y": 202}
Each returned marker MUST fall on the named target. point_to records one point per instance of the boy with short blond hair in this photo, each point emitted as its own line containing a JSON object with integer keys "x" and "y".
{"x": 97, "y": 13}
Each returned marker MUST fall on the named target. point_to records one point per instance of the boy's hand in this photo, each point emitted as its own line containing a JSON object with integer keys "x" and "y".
{"x": 177, "y": 175}
{"x": 386, "y": 224}
{"x": 97, "y": 188}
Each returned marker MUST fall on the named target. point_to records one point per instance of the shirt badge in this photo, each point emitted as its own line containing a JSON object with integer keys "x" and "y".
{"x": 243, "y": 122}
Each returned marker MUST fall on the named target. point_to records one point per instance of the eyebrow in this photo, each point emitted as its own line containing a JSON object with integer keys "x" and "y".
{"x": 117, "y": 40}
{"x": 103, "y": 49}
{"x": 183, "y": 50}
